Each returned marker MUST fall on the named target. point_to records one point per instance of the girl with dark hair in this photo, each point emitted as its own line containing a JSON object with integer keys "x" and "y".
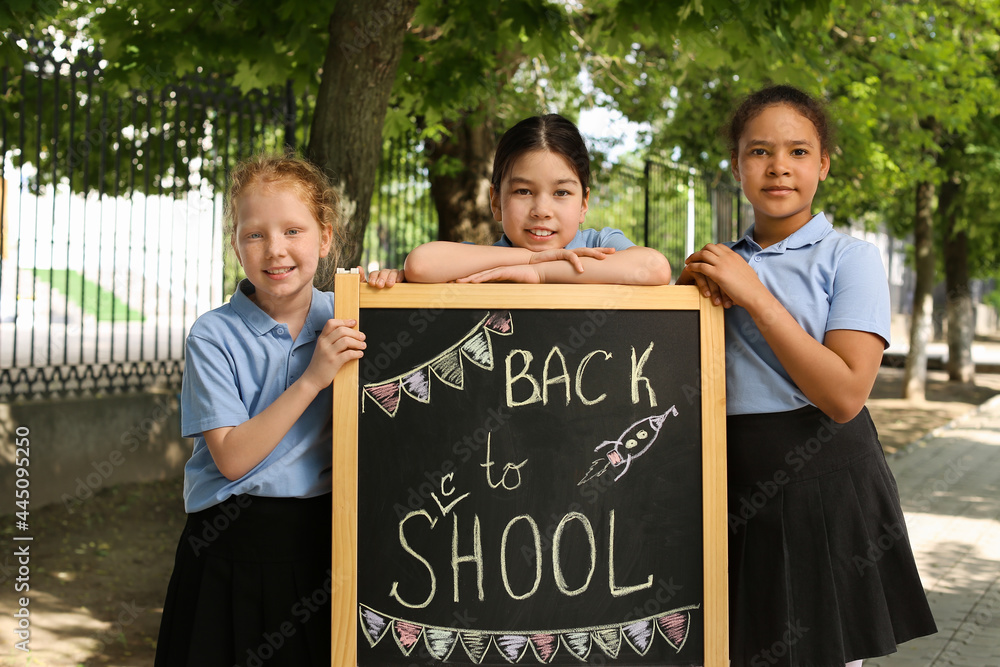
{"x": 539, "y": 194}
{"x": 821, "y": 571}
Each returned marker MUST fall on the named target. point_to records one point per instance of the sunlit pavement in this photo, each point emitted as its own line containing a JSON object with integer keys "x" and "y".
{"x": 949, "y": 484}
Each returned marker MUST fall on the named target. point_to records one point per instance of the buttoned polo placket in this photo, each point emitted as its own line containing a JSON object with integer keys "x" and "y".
{"x": 812, "y": 232}
{"x": 280, "y": 332}
{"x": 258, "y": 321}
{"x": 760, "y": 254}
{"x": 309, "y": 334}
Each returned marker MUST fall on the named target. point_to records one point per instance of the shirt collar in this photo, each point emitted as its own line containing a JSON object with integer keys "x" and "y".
{"x": 258, "y": 321}
{"x": 261, "y": 323}
{"x": 811, "y": 232}
{"x": 320, "y": 310}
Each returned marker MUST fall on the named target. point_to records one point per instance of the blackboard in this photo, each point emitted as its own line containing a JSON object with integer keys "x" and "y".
{"x": 532, "y": 482}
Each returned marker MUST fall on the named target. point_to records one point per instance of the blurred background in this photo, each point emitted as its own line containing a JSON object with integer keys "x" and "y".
{"x": 120, "y": 121}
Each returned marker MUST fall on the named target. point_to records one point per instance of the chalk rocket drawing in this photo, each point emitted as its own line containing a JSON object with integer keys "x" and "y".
{"x": 440, "y": 641}
{"x": 447, "y": 366}
{"x": 630, "y": 445}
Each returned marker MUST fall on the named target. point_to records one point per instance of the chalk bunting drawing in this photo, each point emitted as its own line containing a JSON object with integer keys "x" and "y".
{"x": 447, "y": 366}
{"x": 630, "y": 445}
{"x": 440, "y": 642}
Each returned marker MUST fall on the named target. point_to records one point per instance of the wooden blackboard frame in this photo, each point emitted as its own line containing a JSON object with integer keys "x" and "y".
{"x": 352, "y": 295}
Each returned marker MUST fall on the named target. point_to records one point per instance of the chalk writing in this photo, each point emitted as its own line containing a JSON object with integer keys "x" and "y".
{"x": 477, "y": 560}
{"x": 507, "y": 468}
{"x": 517, "y": 548}
{"x": 555, "y": 372}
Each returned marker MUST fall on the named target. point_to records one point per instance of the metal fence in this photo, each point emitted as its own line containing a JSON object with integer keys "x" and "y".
{"x": 402, "y": 211}
{"x": 111, "y": 206}
{"x": 112, "y": 218}
{"x": 663, "y": 205}
{"x": 667, "y": 206}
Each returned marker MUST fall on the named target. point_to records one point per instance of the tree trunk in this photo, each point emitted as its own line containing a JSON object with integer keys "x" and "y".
{"x": 915, "y": 374}
{"x": 461, "y": 165}
{"x": 366, "y": 43}
{"x": 956, "y": 270}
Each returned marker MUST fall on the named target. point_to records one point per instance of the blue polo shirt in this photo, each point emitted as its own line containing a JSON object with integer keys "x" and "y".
{"x": 826, "y": 280}
{"x": 588, "y": 238}
{"x": 238, "y": 361}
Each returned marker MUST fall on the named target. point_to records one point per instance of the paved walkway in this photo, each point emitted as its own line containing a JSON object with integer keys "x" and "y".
{"x": 949, "y": 484}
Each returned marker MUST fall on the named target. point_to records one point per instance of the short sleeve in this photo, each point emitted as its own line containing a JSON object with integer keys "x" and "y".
{"x": 210, "y": 396}
{"x": 860, "y": 296}
{"x": 612, "y": 238}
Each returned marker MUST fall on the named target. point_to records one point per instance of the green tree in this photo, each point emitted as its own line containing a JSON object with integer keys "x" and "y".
{"x": 510, "y": 60}
{"x": 926, "y": 79}
{"x": 908, "y": 85}
{"x": 470, "y": 71}
{"x": 347, "y": 55}
{"x": 453, "y": 57}
{"x": 19, "y": 18}
{"x": 969, "y": 236}
{"x": 460, "y": 61}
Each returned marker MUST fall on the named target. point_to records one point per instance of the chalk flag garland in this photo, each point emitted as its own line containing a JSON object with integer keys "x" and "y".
{"x": 440, "y": 641}
{"x": 447, "y": 366}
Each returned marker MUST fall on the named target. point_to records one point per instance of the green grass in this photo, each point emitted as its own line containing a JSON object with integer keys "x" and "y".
{"x": 95, "y": 300}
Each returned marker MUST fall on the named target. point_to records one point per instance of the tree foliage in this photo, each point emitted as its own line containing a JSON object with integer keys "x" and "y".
{"x": 518, "y": 59}
{"x": 887, "y": 71}
{"x": 19, "y": 18}
{"x": 469, "y": 72}
{"x": 913, "y": 90}
{"x": 883, "y": 69}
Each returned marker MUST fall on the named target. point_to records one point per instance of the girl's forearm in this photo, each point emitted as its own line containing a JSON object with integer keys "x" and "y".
{"x": 635, "y": 266}
{"x": 837, "y": 375}
{"x": 444, "y": 261}
{"x": 237, "y": 450}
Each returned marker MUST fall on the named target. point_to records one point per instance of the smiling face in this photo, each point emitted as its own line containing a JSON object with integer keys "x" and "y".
{"x": 278, "y": 242}
{"x": 541, "y": 203}
{"x": 780, "y": 162}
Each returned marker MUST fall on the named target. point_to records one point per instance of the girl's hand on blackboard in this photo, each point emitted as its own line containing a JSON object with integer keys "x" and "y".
{"x": 716, "y": 269}
{"x": 338, "y": 343}
{"x": 710, "y": 288}
{"x": 572, "y": 256}
{"x": 385, "y": 277}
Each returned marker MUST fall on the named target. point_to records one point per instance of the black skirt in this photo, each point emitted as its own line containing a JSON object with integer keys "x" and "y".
{"x": 821, "y": 570}
{"x": 251, "y": 586}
